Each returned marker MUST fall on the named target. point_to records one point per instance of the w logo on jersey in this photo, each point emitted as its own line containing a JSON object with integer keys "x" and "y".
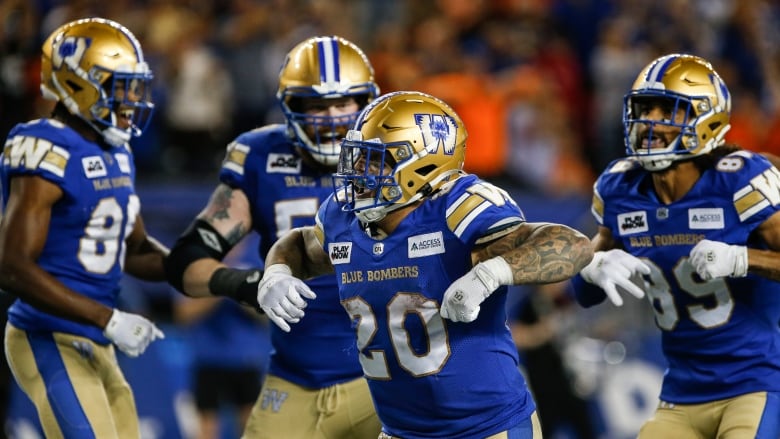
{"x": 437, "y": 130}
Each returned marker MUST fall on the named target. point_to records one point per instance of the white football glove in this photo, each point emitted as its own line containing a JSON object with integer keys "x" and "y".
{"x": 462, "y": 299}
{"x": 279, "y": 295}
{"x": 131, "y": 333}
{"x": 615, "y": 271}
{"x": 713, "y": 259}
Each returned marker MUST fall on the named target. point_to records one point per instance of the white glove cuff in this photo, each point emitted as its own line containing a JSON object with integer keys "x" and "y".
{"x": 278, "y": 269}
{"x": 740, "y": 261}
{"x": 112, "y": 322}
{"x": 593, "y": 265}
{"x": 500, "y": 270}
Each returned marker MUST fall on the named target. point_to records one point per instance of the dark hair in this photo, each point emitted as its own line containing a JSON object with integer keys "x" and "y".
{"x": 707, "y": 161}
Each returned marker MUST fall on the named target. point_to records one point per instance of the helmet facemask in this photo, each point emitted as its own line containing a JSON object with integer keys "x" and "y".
{"x": 316, "y": 71}
{"x": 365, "y": 177}
{"x": 124, "y": 96}
{"x": 320, "y": 135}
{"x": 647, "y": 139}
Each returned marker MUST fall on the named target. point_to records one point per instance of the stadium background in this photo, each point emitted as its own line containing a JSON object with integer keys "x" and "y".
{"x": 539, "y": 84}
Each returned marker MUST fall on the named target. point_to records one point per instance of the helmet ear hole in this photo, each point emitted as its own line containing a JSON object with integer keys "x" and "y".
{"x": 74, "y": 86}
{"x": 425, "y": 170}
{"x": 295, "y": 104}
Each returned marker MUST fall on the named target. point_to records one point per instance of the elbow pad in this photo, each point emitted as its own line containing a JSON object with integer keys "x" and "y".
{"x": 199, "y": 241}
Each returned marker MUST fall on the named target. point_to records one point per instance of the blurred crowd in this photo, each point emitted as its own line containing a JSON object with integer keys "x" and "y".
{"x": 539, "y": 83}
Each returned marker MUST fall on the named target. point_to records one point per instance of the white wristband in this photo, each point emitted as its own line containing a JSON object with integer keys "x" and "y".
{"x": 278, "y": 268}
{"x": 500, "y": 269}
{"x": 741, "y": 261}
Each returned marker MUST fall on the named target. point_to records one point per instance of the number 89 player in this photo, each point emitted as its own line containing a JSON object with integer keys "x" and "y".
{"x": 693, "y": 224}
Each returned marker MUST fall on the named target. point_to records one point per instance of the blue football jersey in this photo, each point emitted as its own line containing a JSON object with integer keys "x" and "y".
{"x": 319, "y": 351}
{"x": 721, "y": 337}
{"x": 85, "y": 247}
{"x": 430, "y": 377}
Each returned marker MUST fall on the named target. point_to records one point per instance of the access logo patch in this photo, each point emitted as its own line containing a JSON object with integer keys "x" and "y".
{"x": 702, "y": 219}
{"x": 425, "y": 245}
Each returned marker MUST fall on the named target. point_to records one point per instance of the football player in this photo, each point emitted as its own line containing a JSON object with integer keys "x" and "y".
{"x": 273, "y": 179}
{"x": 693, "y": 224}
{"x": 423, "y": 252}
{"x": 71, "y": 224}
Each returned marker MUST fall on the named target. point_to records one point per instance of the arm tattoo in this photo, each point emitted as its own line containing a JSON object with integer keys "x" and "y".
{"x": 542, "y": 253}
{"x": 219, "y": 211}
{"x": 235, "y": 234}
{"x": 220, "y": 203}
{"x": 302, "y": 253}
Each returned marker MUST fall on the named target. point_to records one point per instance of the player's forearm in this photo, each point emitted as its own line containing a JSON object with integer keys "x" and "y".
{"x": 299, "y": 250}
{"x": 40, "y": 289}
{"x": 146, "y": 261}
{"x": 550, "y": 253}
{"x": 195, "y": 280}
{"x": 764, "y": 263}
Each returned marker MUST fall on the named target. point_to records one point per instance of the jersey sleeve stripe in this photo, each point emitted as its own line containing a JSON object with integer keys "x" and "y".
{"x": 462, "y": 209}
{"x": 598, "y": 208}
{"x": 319, "y": 233}
{"x": 456, "y": 204}
{"x": 55, "y": 161}
{"x": 463, "y": 225}
{"x": 749, "y": 204}
{"x": 753, "y": 210}
{"x": 236, "y": 157}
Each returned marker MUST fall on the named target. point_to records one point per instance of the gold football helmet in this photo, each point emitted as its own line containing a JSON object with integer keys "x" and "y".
{"x": 678, "y": 82}
{"x": 404, "y": 146}
{"x": 324, "y": 68}
{"x": 96, "y": 69}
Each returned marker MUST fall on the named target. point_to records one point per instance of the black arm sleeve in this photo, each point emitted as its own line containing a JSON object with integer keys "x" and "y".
{"x": 199, "y": 241}
{"x": 239, "y": 285}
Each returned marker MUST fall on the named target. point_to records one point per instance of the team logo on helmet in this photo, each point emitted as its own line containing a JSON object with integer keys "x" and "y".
{"x": 438, "y": 130}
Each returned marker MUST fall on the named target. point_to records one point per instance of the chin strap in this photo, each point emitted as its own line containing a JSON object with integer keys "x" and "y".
{"x": 377, "y": 213}
{"x": 114, "y": 136}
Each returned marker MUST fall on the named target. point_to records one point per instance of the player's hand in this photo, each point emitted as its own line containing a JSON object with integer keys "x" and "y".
{"x": 712, "y": 259}
{"x": 462, "y": 299}
{"x": 615, "y": 271}
{"x": 131, "y": 333}
{"x": 280, "y": 295}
